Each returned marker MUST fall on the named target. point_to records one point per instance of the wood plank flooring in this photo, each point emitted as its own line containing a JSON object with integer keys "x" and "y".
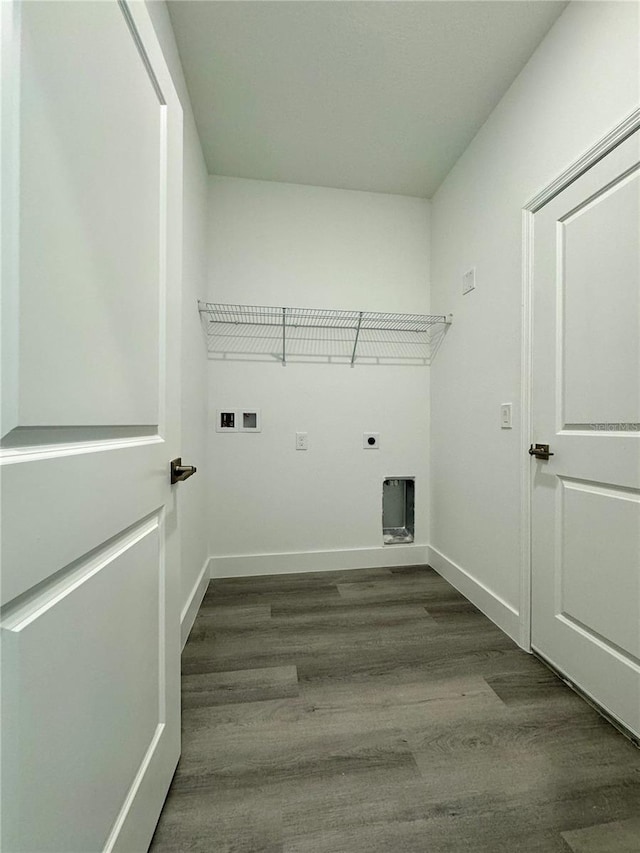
{"x": 377, "y": 711}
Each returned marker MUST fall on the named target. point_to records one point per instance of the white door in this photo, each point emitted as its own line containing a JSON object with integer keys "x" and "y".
{"x": 586, "y": 406}
{"x": 91, "y": 230}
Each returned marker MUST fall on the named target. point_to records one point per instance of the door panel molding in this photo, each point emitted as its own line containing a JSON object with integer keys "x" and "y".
{"x": 36, "y": 453}
{"x": 598, "y": 566}
{"x": 625, "y": 128}
{"x": 120, "y": 822}
{"x": 601, "y": 195}
{"x": 86, "y": 474}
{"x": 24, "y": 438}
{"x": 617, "y": 429}
{"x": 115, "y": 727}
{"x": 591, "y": 634}
{"x": 35, "y": 602}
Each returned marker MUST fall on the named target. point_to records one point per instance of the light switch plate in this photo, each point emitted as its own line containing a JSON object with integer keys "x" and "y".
{"x": 505, "y": 416}
{"x": 371, "y": 441}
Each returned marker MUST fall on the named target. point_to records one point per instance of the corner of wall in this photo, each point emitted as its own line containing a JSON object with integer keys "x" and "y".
{"x": 501, "y": 613}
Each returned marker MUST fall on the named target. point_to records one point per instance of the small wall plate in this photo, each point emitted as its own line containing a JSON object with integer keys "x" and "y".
{"x": 371, "y": 441}
{"x": 469, "y": 281}
{"x": 226, "y": 420}
{"x": 506, "y": 421}
{"x": 249, "y": 420}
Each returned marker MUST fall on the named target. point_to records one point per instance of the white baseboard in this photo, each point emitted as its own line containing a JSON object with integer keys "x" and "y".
{"x": 192, "y": 605}
{"x": 317, "y": 561}
{"x": 499, "y": 611}
{"x": 504, "y": 615}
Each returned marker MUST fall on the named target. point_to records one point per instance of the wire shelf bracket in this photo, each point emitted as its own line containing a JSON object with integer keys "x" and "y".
{"x": 217, "y": 313}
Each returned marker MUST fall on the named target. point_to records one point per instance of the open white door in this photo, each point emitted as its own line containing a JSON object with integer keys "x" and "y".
{"x": 586, "y": 406}
{"x": 91, "y": 231}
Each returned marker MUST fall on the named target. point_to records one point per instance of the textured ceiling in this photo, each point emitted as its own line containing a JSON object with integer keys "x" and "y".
{"x": 380, "y": 96}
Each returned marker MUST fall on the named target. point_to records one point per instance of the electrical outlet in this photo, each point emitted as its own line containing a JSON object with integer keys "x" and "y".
{"x": 505, "y": 416}
{"x": 371, "y": 441}
{"x": 302, "y": 441}
{"x": 469, "y": 280}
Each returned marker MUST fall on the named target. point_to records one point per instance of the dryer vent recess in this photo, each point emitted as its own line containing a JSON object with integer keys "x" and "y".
{"x": 398, "y": 510}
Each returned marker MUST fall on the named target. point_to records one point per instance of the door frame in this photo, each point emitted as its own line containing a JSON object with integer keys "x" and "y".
{"x": 629, "y": 125}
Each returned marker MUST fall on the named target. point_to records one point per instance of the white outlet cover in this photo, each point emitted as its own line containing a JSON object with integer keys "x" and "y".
{"x": 469, "y": 280}
{"x": 371, "y": 441}
{"x": 302, "y": 441}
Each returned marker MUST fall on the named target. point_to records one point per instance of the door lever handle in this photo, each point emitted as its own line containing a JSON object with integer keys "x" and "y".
{"x": 540, "y": 451}
{"x": 181, "y": 472}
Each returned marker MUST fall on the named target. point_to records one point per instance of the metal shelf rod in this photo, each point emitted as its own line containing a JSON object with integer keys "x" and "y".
{"x": 284, "y": 337}
{"x": 355, "y": 343}
{"x": 353, "y": 328}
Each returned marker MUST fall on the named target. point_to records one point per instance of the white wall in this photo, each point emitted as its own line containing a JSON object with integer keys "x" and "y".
{"x": 283, "y": 244}
{"x": 578, "y": 85}
{"x": 192, "y": 493}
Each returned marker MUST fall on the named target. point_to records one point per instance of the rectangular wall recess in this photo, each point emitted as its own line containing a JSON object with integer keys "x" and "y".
{"x": 398, "y": 513}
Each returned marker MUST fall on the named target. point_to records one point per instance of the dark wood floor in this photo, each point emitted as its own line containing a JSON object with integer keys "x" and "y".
{"x": 377, "y": 711}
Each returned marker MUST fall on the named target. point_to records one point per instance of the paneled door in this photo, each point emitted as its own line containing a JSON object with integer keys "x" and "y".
{"x": 91, "y": 231}
{"x": 586, "y": 406}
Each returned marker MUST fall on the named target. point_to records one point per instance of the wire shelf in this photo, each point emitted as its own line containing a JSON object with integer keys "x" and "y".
{"x": 289, "y": 319}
